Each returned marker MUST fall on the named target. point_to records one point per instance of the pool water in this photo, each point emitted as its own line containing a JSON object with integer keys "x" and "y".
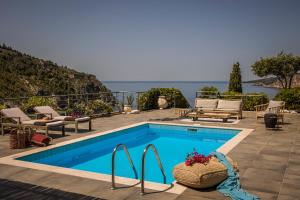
{"x": 172, "y": 143}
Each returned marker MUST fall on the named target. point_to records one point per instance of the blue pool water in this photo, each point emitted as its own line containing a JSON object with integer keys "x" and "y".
{"x": 172, "y": 143}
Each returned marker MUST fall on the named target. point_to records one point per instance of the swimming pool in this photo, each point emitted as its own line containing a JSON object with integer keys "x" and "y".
{"x": 173, "y": 142}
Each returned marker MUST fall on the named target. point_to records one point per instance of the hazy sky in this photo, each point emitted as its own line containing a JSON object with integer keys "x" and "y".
{"x": 152, "y": 40}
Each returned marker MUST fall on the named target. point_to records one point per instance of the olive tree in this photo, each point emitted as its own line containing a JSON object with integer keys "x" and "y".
{"x": 283, "y": 66}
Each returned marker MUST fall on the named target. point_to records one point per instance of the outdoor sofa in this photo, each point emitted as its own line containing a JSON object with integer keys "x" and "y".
{"x": 15, "y": 117}
{"x": 232, "y": 107}
{"x": 52, "y": 114}
{"x": 276, "y": 107}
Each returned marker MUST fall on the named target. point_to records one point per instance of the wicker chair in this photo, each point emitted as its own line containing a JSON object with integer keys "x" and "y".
{"x": 276, "y": 107}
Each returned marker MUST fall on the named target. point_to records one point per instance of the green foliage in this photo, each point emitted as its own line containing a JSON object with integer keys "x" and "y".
{"x": 98, "y": 107}
{"x": 235, "y": 82}
{"x": 30, "y": 103}
{"x": 24, "y": 75}
{"x": 130, "y": 100}
{"x": 78, "y": 109}
{"x": 208, "y": 92}
{"x": 231, "y": 95}
{"x": 283, "y": 66}
{"x": 93, "y": 107}
{"x": 249, "y": 99}
{"x": 2, "y": 106}
{"x": 291, "y": 97}
{"x": 174, "y": 97}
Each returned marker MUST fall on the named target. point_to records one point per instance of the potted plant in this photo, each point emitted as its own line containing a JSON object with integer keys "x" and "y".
{"x": 128, "y": 106}
{"x": 162, "y": 102}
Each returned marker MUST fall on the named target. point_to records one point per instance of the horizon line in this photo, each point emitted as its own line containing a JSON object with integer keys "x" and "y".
{"x": 162, "y": 81}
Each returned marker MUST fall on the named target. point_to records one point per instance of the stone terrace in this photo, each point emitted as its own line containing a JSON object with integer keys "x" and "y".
{"x": 269, "y": 163}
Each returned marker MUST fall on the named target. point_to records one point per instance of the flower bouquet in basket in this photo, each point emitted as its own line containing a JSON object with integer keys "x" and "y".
{"x": 196, "y": 157}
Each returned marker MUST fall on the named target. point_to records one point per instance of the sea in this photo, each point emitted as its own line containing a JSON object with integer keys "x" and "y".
{"x": 188, "y": 88}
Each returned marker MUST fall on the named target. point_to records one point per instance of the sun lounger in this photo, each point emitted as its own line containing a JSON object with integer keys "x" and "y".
{"x": 51, "y": 113}
{"x": 15, "y": 117}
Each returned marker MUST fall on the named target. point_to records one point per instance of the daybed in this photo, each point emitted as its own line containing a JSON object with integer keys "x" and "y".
{"x": 232, "y": 107}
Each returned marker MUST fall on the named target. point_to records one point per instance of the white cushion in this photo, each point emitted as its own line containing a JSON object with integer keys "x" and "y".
{"x": 82, "y": 119}
{"x": 57, "y": 123}
{"x": 229, "y": 104}
{"x": 134, "y": 112}
{"x": 206, "y": 103}
{"x": 61, "y": 117}
{"x": 32, "y": 122}
{"x": 29, "y": 122}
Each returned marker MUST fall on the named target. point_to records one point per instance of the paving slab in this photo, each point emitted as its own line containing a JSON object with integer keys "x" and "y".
{"x": 269, "y": 163}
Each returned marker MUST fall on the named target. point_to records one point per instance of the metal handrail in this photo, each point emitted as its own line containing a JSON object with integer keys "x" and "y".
{"x": 143, "y": 166}
{"x": 113, "y": 164}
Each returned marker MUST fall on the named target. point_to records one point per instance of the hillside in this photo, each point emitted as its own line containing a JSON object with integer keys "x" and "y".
{"x": 273, "y": 82}
{"x": 24, "y": 75}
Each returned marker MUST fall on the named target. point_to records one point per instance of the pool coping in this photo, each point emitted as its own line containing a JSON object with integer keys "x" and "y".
{"x": 175, "y": 189}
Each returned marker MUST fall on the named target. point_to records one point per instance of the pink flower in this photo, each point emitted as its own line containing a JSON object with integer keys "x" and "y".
{"x": 195, "y": 157}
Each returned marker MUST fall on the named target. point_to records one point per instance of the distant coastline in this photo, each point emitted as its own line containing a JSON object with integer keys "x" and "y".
{"x": 117, "y": 81}
{"x": 188, "y": 88}
{"x": 272, "y": 82}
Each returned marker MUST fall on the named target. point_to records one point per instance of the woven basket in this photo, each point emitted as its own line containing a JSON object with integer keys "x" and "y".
{"x": 19, "y": 138}
{"x": 202, "y": 175}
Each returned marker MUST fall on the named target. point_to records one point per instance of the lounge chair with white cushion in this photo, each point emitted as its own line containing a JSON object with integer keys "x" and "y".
{"x": 15, "y": 117}
{"x": 276, "y": 107}
{"x": 51, "y": 113}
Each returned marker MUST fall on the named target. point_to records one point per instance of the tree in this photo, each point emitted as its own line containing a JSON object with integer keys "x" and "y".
{"x": 283, "y": 66}
{"x": 235, "y": 82}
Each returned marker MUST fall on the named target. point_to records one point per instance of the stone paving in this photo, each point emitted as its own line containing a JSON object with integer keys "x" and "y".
{"x": 269, "y": 163}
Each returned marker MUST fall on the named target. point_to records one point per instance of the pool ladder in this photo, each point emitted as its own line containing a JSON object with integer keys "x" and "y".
{"x": 142, "y": 180}
{"x": 113, "y": 183}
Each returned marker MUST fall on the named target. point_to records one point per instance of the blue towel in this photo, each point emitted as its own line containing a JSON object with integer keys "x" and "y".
{"x": 231, "y": 187}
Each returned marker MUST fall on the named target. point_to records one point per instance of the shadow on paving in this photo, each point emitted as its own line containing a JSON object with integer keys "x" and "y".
{"x": 18, "y": 190}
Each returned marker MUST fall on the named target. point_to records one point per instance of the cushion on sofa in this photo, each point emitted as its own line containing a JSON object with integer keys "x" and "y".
{"x": 229, "y": 104}
{"x": 202, "y": 175}
{"x": 206, "y": 104}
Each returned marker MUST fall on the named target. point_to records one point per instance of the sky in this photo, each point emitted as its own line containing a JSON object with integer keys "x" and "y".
{"x": 165, "y": 40}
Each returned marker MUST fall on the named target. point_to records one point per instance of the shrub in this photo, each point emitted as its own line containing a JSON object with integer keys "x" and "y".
{"x": 174, "y": 97}
{"x": 2, "y": 106}
{"x": 93, "y": 107}
{"x": 78, "y": 109}
{"x": 250, "y": 100}
{"x": 231, "y": 95}
{"x": 208, "y": 91}
{"x": 38, "y": 101}
{"x": 98, "y": 106}
{"x": 291, "y": 97}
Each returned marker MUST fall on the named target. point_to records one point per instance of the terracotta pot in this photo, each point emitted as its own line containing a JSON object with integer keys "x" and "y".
{"x": 127, "y": 108}
{"x": 162, "y": 102}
